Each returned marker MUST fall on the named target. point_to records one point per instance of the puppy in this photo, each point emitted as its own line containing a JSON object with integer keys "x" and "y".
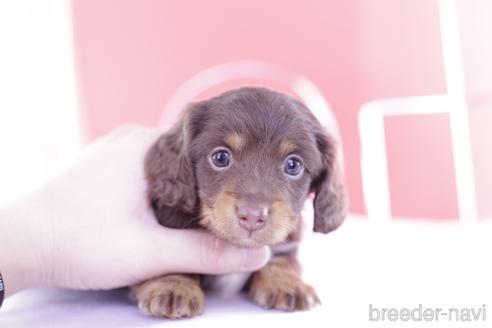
{"x": 241, "y": 165}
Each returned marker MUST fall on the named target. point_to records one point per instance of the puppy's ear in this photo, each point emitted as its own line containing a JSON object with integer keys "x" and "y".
{"x": 169, "y": 170}
{"x": 330, "y": 201}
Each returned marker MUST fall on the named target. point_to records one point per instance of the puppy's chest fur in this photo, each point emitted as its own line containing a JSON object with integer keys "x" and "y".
{"x": 230, "y": 284}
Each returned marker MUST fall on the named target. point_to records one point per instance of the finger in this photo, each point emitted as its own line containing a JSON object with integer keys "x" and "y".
{"x": 201, "y": 252}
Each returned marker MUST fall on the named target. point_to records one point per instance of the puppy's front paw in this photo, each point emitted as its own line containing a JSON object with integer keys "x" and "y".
{"x": 278, "y": 286}
{"x": 292, "y": 295}
{"x": 174, "y": 296}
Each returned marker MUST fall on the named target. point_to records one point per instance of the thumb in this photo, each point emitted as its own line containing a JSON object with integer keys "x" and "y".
{"x": 196, "y": 251}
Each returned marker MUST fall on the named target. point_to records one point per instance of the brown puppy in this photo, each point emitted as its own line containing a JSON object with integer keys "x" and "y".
{"x": 241, "y": 166}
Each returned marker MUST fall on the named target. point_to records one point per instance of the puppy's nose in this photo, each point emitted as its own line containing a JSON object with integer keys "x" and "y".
{"x": 252, "y": 218}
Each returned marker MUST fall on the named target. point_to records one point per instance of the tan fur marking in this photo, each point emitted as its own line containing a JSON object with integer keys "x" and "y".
{"x": 287, "y": 147}
{"x": 278, "y": 286}
{"x": 171, "y": 296}
{"x": 219, "y": 216}
{"x": 282, "y": 220}
{"x": 235, "y": 141}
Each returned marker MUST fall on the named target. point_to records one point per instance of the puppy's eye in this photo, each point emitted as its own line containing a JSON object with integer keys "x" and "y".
{"x": 293, "y": 166}
{"x": 220, "y": 158}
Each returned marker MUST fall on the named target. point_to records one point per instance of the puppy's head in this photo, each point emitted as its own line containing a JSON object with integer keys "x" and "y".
{"x": 244, "y": 163}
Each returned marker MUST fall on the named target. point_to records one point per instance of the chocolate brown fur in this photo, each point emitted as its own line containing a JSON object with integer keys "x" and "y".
{"x": 260, "y": 128}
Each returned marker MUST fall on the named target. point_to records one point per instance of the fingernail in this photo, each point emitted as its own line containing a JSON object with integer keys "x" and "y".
{"x": 255, "y": 258}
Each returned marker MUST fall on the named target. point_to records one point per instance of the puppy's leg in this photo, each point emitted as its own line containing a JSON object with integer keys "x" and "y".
{"x": 171, "y": 296}
{"x": 279, "y": 286}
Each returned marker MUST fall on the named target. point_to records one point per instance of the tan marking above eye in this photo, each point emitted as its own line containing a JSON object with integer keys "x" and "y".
{"x": 287, "y": 147}
{"x": 235, "y": 141}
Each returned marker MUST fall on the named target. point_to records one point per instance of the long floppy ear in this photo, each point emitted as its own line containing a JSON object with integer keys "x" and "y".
{"x": 169, "y": 171}
{"x": 330, "y": 201}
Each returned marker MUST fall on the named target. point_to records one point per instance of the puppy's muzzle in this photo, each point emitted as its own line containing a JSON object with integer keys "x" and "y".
{"x": 252, "y": 217}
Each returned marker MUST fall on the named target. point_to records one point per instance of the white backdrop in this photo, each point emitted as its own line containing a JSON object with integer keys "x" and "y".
{"x": 39, "y": 120}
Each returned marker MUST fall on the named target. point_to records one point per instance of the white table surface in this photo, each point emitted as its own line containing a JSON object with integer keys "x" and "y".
{"x": 403, "y": 264}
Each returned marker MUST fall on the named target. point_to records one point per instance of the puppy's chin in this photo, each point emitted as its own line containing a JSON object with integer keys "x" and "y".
{"x": 246, "y": 242}
{"x": 242, "y": 238}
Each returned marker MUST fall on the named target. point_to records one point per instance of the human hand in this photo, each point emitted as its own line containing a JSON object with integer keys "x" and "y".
{"x": 91, "y": 227}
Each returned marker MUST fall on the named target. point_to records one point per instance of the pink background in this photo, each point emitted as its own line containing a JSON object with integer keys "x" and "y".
{"x": 133, "y": 55}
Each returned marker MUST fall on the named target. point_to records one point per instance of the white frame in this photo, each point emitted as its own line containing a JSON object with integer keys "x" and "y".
{"x": 371, "y": 127}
